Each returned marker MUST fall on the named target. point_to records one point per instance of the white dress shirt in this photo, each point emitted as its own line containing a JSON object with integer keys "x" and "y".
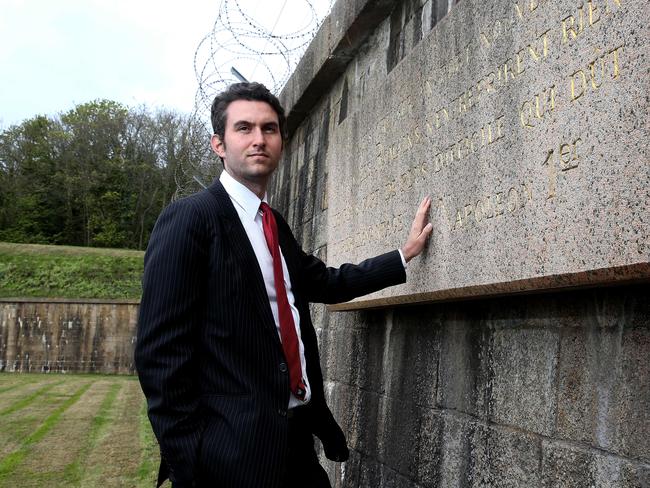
{"x": 247, "y": 205}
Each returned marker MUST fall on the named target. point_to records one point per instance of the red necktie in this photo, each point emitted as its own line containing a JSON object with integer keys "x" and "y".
{"x": 287, "y": 326}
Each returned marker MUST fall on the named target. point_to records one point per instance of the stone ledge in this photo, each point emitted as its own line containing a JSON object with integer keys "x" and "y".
{"x": 620, "y": 275}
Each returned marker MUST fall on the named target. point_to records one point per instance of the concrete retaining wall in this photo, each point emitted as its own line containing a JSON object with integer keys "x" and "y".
{"x": 67, "y": 336}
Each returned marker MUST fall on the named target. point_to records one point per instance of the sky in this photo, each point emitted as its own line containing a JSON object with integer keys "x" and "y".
{"x": 55, "y": 54}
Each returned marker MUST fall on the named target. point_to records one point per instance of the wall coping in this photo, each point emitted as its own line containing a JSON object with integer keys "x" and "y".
{"x": 336, "y": 43}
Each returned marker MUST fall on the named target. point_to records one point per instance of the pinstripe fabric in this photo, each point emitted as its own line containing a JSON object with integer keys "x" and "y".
{"x": 208, "y": 355}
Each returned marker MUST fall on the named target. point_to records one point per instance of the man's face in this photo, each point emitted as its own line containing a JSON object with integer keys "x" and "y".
{"x": 252, "y": 143}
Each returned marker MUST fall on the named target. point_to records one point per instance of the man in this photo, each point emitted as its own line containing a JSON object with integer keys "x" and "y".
{"x": 226, "y": 353}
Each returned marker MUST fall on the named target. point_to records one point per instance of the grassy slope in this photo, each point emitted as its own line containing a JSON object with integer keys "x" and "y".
{"x": 30, "y": 270}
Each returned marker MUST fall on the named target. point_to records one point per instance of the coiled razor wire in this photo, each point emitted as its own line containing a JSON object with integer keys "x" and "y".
{"x": 263, "y": 40}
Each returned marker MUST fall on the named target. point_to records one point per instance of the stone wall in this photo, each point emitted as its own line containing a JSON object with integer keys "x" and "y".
{"x": 67, "y": 335}
{"x": 550, "y": 388}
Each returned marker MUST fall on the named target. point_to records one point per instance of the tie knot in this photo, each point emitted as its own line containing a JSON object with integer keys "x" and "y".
{"x": 264, "y": 207}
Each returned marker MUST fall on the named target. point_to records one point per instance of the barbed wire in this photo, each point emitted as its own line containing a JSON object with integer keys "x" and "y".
{"x": 262, "y": 40}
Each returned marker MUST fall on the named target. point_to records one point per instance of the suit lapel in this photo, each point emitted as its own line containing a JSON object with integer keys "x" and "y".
{"x": 241, "y": 249}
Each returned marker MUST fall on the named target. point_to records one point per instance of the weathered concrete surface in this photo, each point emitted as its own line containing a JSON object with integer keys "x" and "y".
{"x": 548, "y": 390}
{"x": 512, "y": 116}
{"x": 536, "y": 390}
{"x": 68, "y": 336}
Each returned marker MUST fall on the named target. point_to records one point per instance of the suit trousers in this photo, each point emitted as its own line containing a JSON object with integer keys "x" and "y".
{"x": 303, "y": 470}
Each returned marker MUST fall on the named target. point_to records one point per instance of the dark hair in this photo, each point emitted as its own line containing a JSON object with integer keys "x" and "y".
{"x": 243, "y": 91}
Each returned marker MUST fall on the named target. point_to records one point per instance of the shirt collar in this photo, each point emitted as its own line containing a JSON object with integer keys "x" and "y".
{"x": 246, "y": 200}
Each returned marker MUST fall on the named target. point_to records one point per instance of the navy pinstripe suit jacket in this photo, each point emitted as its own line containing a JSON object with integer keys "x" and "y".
{"x": 208, "y": 354}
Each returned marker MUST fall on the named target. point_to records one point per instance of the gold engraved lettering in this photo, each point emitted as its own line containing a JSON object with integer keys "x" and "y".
{"x": 592, "y": 69}
{"x": 586, "y": 16}
{"x": 583, "y": 84}
{"x": 488, "y": 213}
{"x": 506, "y": 69}
{"x": 498, "y": 208}
{"x": 465, "y": 101}
{"x": 547, "y": 102}
{"x": 468, "y": 211}
{"x": 544, "y": 38}
{"x": 438, "y": 121}
{"x": 478, "y": 211}
{"x": 417, "y": 134}
{"x": 592, "y": 11}
{"x": 491, "y": 206}
{"x": 424, "y": 167}
{"x": 406, "y": 180}
{"x": 552, "y": 174}
{"x": 569, "y": 26}
{"x": 535, "y": 109}
{"x": 528, "y": 193}
{"x": 567, "y": 158}
{"x": 497, "y": 27}
{"x": 459, "y": 220}
{"x": 529, "y": 7}
{"x": 511, "y": 69}
{"x": 614, "y": 52}
{"x": 392, "y": 152}
{"x": 520, "y": 58}
{"x": 389, "y": 189}
{"x": 499, "y": 125}
{"x": 490, "y": 133}
{"x": 454, "y": 64}
{"x": 526, "y": 114}
{"x": 513, "y": 199}
{"x": 582, "y": 79}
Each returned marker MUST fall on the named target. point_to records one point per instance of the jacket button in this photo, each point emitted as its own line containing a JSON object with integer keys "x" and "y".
{"x": 283, "y": 367}
{"x": 282, "y": 412}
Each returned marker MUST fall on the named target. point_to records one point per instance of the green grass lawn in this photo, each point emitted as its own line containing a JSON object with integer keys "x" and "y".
{"x": 75, "y": 431}
{"x": 31, "y": 271}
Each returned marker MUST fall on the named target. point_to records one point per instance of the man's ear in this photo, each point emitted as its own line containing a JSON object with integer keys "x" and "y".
{"x": 218, "y": 146}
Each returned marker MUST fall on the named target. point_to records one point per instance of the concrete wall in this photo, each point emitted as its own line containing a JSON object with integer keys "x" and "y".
{"x": 546, "y": 389}
{"x": 539, "y": 390}
{"x": 67, "y": 336}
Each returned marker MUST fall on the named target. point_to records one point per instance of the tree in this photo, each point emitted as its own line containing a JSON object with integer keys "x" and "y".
{"x": 97, "y": 175}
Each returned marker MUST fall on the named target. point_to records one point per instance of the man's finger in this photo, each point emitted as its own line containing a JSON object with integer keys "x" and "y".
{"x": 425, "y": 232}
{"x": 424, "y": 204}
{"x": 422, "y": 212}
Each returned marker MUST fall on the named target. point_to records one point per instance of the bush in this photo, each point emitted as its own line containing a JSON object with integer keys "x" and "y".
{"x": 30, "y": 271}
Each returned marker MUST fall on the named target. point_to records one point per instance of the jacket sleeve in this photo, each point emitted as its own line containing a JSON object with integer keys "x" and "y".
{"x": 174, "y": 261}
{"x": 334, "y": 285}
{"x": 322, "y": 284}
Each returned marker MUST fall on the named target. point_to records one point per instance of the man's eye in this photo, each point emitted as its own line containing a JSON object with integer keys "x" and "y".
{"x": 243, "y": 128}
{"x": 270, "y": 129}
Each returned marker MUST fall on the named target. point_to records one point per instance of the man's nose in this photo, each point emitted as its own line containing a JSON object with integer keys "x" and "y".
{"x": 258, "y": 137}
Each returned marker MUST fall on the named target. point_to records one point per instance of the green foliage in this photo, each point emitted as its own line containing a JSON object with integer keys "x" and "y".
{"x": 65, "y": 272}
{"x": 97, "y": 175}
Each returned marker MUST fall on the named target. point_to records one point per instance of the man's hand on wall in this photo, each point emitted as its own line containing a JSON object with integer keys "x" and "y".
{"x": 420, "y": 231}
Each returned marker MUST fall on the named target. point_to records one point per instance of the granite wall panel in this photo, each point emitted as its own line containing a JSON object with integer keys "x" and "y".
{"x": 543, "y": 389}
